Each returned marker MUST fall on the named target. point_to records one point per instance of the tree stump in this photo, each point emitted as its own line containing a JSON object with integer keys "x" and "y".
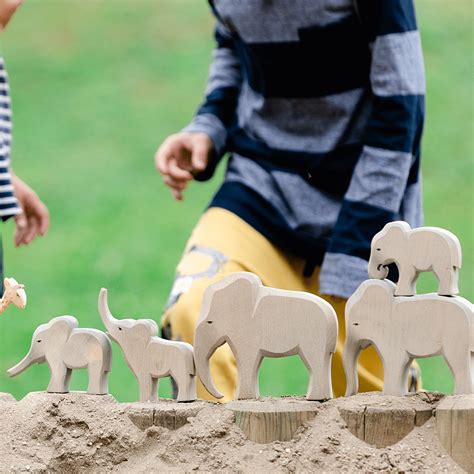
{"x": 267, "y": 420}
{"x": 165, "y": 413}
{"x": 383, "y": 420}
{"x": 455, "y": 427}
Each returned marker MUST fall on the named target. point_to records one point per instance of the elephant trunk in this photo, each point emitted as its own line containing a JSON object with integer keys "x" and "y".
{"x": 105, "y": 314}
{"x": 201, "y": 357}
{"x": 24, "y": 364}
{"x": 351, "y": 355}
{"x": 376, "y": 268}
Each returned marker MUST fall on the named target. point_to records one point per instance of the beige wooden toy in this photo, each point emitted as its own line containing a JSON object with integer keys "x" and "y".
{"x": 14, "y": 294}
{"x": 149, "y": 356}
{"x": 405, "y": 328}
{"x": 414, "y": 251}
{"x": 64, "y": 346}
{"x": 259, "y": 322}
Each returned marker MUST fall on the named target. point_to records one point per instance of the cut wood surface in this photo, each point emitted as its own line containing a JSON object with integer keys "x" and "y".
{"x": 165, "y": 413}
{"x": 382, "y": 420}
{"x": 265, "y": 421}
{"x": 455, "y": 427}
{"x": 425, "y": 249}
{"x": 257, "y": 322}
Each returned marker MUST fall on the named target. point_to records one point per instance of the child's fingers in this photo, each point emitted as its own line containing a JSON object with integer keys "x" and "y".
{"x": 42, "y": 215}
{"x": 31, "y": 231}
{"x": 178, "y": 173}
{"x": 174, "y": 183}
{"x": 21, "y": 227}
{"x": 200, "y": 154}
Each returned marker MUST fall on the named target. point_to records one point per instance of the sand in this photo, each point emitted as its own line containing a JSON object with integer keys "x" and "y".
{"x": 78, "y": 432}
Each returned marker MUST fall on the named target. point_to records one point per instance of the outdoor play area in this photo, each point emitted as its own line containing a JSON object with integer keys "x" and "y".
{"x": 96, "y": 86}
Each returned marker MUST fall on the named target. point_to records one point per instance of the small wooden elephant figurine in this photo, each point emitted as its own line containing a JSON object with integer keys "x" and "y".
{"x": 414, "y": 251}
{"x": 14, "y": 294}
{"x": 64, "y": 346}
{"x": 406, "y": 328}
{"x": 259, "y": 322}
{"x": 149, "y": 356}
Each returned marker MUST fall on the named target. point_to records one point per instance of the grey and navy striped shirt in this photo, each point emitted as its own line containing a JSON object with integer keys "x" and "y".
{"x": 8, "y": 203}
{"x": 321, "y": 106}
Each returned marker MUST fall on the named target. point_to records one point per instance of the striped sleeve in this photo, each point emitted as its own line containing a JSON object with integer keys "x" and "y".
{"x": 390, "y": 157}
{"x": 217, "y": 113}
{"x": 9, "y": 206}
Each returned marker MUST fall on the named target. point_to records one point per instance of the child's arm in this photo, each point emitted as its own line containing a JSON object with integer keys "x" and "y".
{"x": 390, "y": 158}
{"x": 195, "y": 152}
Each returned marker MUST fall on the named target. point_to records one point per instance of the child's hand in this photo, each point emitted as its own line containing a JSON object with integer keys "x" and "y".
{"x": 180, "y": 157}
{"x": 34, "y": 221}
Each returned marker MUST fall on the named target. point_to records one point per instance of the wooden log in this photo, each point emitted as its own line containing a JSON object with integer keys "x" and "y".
{"x": 268, "y": 420}
{"x": 455, "y": 427}
{"x": 165, "y": 413}
{"x": 384, "y": 420}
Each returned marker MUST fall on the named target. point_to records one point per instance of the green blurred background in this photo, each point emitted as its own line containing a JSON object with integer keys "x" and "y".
{"x": 97, "y": 85}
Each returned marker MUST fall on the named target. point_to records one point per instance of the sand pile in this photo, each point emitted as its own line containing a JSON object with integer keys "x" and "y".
{"x": 78, "y": 432}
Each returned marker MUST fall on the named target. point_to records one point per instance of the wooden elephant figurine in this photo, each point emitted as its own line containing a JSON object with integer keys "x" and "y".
{"x": 149, "y": 356}
{"x": 64, "y": 346}
{"x": 405, "y": 328}
{"x": 414, "y": 251}
{"x": 259, "y": 322}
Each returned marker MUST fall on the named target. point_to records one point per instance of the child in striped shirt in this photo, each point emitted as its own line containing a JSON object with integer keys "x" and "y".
{"x": 17, "y": 199}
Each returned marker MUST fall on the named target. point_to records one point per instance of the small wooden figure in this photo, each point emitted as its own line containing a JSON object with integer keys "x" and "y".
{"x": 64, "y": 346}
{"x": 405, "y": 328}
{"x": 149, "y": 356}
{"x": 259, "y": 322}
{"x": 14, "y": 294}
{"x": 414, "y": 251}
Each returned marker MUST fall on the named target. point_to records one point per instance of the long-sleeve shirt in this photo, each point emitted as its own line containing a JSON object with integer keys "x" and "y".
{"x": 8, "y": 203}
{"x": 321, "y": 106}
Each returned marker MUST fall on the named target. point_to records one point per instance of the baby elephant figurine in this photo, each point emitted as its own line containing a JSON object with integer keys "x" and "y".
{"x": 257, "y": 322}
{"x": 150, "y": 357}
{"x": 14, "y": 294}
{"x": 414, "y": 251}
{"x": 64, "y": 346}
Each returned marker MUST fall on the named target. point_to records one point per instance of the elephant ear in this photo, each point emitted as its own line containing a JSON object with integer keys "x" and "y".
{"x": 378, "y": 295}
{"x": 235, "y": 294}
{"x": 397, "y": 227}
{"x": 143, "y": 330}
{"x": 61, "y": 328}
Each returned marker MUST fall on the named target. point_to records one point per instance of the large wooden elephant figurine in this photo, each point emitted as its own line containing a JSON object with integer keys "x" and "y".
{"x": 413, "y": 251}
{"x": 259, "y": 322}
{"x": 405, "y": 328}
{"x": 64, "y": 346}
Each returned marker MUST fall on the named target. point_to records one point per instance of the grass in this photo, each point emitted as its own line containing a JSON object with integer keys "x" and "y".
{"x": 97, "y": 85}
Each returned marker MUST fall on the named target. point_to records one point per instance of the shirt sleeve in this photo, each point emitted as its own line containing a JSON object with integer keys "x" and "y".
{"x": 390, "y": 156}
{"x": 216, "y": 114}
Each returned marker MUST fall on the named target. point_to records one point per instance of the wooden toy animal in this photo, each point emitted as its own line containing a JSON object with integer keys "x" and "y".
{"x": 413, "y": 251}
{"x": 405, "y": 328}
{"x": 14, "y": 294}
{"x": 149, "y": 356}
{"x": 259, "y": 322}
{"x": 64, "y": 346}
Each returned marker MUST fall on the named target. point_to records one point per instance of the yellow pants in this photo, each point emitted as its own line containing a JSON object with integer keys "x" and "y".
{"x": 222, "y": 243}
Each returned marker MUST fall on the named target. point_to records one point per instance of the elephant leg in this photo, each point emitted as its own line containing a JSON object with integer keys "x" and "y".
{"x": 154, "y": 389}
{"x": 98, "y": 380}
{"x": 396, "y": 375}
{"x": 145, "y": 381}
{"x": 448, "y": 280}
{"x": 186, "y": 387}
{"x": 60, "y": 379}
{"x": 460, "y": 362}
{"x": 247, "y": 386}
{"x": 319, "y": 368}
{"x": 406, "y": 285}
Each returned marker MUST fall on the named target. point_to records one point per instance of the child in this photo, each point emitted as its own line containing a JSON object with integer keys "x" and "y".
{"x": 17, "y": 199}
{"x": 321, "y": 106}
